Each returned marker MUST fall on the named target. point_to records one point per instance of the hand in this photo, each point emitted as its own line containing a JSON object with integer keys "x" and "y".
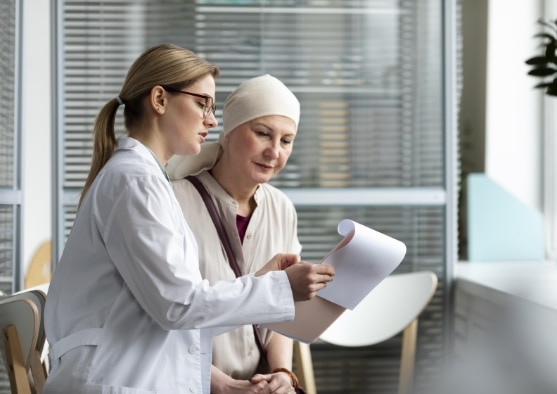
{"x": 222, "y": 383}
{"x": 278, "y": 263}
{"x": 248, "y": 387}
{"x": 278, "y": 382}
{"x": 233, "y": 386}
{"x": 306, "y": 279}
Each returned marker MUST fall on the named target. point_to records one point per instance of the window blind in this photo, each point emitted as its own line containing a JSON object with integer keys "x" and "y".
{"x": 10, "y": 196}
{"x": 367, "y": 75}
{"x": 7, "y": 93}
{"x": 372, "y": 143}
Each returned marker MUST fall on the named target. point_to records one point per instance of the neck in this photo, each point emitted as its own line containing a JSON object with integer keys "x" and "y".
{"x": 235, "y": 186}
{"x": 154, "y": 146}
{"x": 156, "y": 156}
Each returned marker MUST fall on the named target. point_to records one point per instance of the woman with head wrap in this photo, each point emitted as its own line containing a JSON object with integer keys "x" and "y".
{"x": 260, "y": 121}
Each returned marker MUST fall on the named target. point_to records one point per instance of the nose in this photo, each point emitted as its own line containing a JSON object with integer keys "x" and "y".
{"x": 211, "y": 121}
{"x": 272, "y": 150}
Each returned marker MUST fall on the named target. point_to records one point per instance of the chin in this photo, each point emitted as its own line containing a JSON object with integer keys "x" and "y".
{"x": 261, "y": 179}
{"x": 196, "y": 150}
{"x": 191, "y": 150}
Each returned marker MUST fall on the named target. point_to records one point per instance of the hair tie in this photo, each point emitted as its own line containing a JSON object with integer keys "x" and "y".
{"x": 120, "y": 102}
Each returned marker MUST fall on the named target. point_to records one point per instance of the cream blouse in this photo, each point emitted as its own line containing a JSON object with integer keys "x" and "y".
{"x": 272, "y": 229}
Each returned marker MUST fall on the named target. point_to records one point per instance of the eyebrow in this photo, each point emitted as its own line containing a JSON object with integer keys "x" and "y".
{"x": 205, "y": 95}
{"x": 272, "y": 129}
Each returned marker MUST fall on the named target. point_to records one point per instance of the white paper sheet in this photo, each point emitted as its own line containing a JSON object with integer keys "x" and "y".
{"x": 362, "y": 259}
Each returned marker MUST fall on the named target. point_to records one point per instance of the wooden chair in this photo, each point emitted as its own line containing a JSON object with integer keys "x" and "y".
{"x": 394, "y": 306}
{"x": 39, "y": 270}
{"x": 304, "y": 367}
{"x": 24, "y": 338}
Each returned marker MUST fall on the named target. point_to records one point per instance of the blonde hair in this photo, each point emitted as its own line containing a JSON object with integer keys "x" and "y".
{"x": 166, "y": 65}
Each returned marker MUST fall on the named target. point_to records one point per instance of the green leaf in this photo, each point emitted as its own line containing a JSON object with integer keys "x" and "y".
{"x": 550, "y": 51}
{"x": 550, "y": 37}
{"x": 551, "y": 90}
{"x": 543, "y": 85}
{"x": 537, "y": 60}
{"x": 542, "y": 71}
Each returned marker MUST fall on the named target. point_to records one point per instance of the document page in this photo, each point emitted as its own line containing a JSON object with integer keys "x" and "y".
{"x": 362, "y": 259}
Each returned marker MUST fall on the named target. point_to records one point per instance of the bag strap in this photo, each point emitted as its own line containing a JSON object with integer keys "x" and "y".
{"x": 218, "y": 223}
{"x": 226, "y": 243}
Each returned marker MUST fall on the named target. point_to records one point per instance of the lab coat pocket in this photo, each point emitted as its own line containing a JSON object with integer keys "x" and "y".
{"x": 120, "y": 364}
{"x": 110, "y": 370}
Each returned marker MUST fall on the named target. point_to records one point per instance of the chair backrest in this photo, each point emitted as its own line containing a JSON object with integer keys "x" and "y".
{"x": 39, "y": 270}
{"x": 392, "y": 307}
{"x": 37, "y": 295}
{"x": 23, "y": 337}
{"x": 388, "y": 309}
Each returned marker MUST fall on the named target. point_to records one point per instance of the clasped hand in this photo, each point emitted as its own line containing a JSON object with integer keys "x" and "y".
{"x": 273, "y": 383}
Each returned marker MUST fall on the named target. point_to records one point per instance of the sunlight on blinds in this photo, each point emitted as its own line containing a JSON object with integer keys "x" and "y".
{"x": 356, "y": 70}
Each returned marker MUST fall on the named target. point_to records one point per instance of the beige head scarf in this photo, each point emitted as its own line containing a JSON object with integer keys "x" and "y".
{"x": 260, "y": 96}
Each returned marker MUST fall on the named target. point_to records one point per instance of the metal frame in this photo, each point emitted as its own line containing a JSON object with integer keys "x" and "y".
{"x": 58, "y": 201}
{"x": 14, "y": 197}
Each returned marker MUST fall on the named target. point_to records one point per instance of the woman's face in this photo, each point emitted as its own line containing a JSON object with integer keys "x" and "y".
{"x": 257, "y": 150}
{"x": 184, "y": 124}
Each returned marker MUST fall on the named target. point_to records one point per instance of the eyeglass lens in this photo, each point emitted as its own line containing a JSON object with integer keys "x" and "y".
{"x": 208, "y": 104}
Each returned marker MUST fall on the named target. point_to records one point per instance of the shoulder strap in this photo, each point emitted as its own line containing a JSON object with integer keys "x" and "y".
{"x": 218, "y": 223}
{"x": 226, "y": 243}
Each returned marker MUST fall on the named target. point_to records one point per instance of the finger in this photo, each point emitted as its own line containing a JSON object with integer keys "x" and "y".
{"x": 288, "y": 260}
{"x": 325, "y": 269}
{"x": 260, "y": 378}
{"x": 327, "y": 278}
{"x": 320, "y": 281}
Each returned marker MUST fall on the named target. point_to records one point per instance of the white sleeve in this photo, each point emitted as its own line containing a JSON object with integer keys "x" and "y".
{"x": 155, "y": 253}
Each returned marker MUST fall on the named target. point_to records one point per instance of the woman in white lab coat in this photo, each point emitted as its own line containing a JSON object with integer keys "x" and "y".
{"x": 127, "y": 310}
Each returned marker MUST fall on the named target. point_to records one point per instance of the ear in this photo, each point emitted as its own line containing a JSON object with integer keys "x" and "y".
{"x": 225, "y": 140}
{"x": 158, "y": 99}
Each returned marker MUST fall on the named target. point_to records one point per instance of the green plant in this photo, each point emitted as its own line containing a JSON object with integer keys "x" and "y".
{"x": 545, "y": 66}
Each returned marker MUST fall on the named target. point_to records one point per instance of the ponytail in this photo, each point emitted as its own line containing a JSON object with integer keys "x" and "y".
{"x": 104, "y": 143}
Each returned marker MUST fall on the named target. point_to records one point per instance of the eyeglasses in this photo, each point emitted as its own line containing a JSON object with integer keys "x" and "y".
{"x": 208, "y": 104}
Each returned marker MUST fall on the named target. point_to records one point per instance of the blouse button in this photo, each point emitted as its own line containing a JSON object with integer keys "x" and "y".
{"x": 248, "y": 236}
{"x": 193, "y": 390}
{"x": 193, "y": 350}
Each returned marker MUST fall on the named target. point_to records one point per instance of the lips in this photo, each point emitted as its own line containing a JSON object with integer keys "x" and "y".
{"x": 267, "y": 166}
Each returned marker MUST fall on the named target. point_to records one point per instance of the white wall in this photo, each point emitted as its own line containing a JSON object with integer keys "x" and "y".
{"x": 513, "y": 151}
{"x": 36, "y": 126}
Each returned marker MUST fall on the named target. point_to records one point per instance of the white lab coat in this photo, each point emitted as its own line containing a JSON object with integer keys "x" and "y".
{"x": 127, "y": 310}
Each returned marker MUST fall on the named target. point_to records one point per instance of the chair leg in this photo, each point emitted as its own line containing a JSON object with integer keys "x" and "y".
{"x": 407, "y": 359}
{"x": 14, "y": 362}
{"x": 38, "y": 372}
{"x": 304, "y": 367}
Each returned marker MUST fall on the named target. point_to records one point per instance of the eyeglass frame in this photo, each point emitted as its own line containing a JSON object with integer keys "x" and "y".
{"x": 208, "y": 106}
